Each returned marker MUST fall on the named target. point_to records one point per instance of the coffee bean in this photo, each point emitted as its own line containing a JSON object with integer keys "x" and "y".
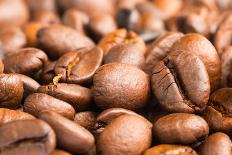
{"x": 160, "y": 48}
{"x": 57, "y": 40}
{"x": 13, "y": 12}
{"x": 218, "y": 113}
{"x": 181, "y": 128}
{"x": 29, "y": 85}
{"x": 181, "y": 83}
{"x": 48, "y": 72}
{"x": 26, "y": 61}
{"x": 12, "y": 39}
{"x": 164, "y": 149}
{"x": 7, "y": 115}
{"x": 79, "y": 66}
{"x": 226, "y": 64}
{"x": 117, "y": 85}
{"x": 217, "y": 143}
{"x": 131, "y": 134}
{"x": 222, "y": 36}
{"x": 79, "y": 97}
{"x": 66, "y": 131}
{"x": 200, "y": 46}
{"x": 125, "y": 53}
{"x": 38, "y": 102}
{"x": 27, "y": 137}
{"x": 121, "y": 36}
{"x": 76, "y": 20}
{"x": 11, "y": 88}
{"x": 86, "y": 119}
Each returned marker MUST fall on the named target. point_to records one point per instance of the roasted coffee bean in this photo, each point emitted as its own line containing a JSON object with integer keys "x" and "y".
{"x": 226, "y": 65}
{"x": 70, "y": 136}
{"x": 30, "y": 30}
{"x": 38, "y": 102}
{"x": 86, "y": 119}
{"x": 60, "y": 152}
{"x": 42, "y": 5}
{"x": 26, "y": 61}
{"x": 167, "y": 149}
{"x": 121, "y": 36}
{"x": 120, "y": 86}
{"x": 180, "y": 128}
{"x": 130, "y": 134}
{"x": 76, "y": 20}
{"x": 7, "y": 115}
{"x": 107, "y": 116}
{"x": 79, "y": 66}
{"x": 100, "y": 25}
{"x": 218, "y": 113}
{"x": 181, "y": 83}
{"x": 200, "y": 46}
{"x": 56, "y": 40}
{"x": 11, "y": 91}
{"x": 48, "y": 72}
{"x": 12, "y": 39}
{"x": 223, "y": 34}
{"x": 79, "y": 97}
{"x": 29, "y": 85}
{"x": 33, "y": 137}
{"x": 160, "y": 48}
{"x": 216, "y": 144}
{"x": 125, "y": 53}
{"x": 13, "y": 12}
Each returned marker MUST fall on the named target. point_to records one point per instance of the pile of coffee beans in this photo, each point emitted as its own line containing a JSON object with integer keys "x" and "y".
{"x": 115, "y": 77}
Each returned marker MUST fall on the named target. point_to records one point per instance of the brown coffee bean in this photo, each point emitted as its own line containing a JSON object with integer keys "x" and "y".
{"x": 56, "y": 40}
{"x": 79, "y": 97}
{"x": 218, "y": 113}
{"x": 48, "y": 72}
{"x": 216, "y": 144}
{"x": 226, "y": 65}
{"x": 125, "y": 53}
{"x": 13, "y": 12}
{"x": 86, "y": 119}
{"x": 160, "y": 48}
{"x": 79, "y": 66}
{"x": 12, "y": 39}
{"x": 70, "y": 136}
{"x": 33, "y": 137}
{"x": 121, "y": 36}
{"x": 127, "y": 134}
{"x": 76, "y": 20}
{"x": 42, "y": 5}
{"x": 117, "y": 85}
{"x": 29, "y": 85}
{"x": 26, "y": 61}
{"x": 166, "y": 149}
{"x": 223, "y": 34}
{"x": 7, "y": 115}
{"x": 200, "y": 46}
{"x": 100, "y": 25}
{"x": 108, "y": 115}
{"x": 38, "y": 102}
{"x": 180, "y": 128}
{"x": 11, "y": 88}
{"x": 181, "y": 83}
{"x": 60, "y": 152}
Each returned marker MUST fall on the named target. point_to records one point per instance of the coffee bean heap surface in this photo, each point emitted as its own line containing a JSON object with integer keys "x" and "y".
{"x": 115, "y": 77}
